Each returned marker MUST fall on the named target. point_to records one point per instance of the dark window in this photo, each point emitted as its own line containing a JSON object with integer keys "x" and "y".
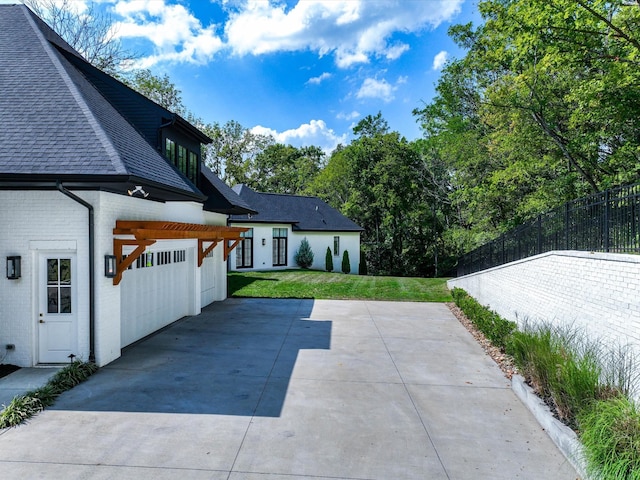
{"x": 244, "y": 251}
{"x": 336, "y": 246}
{"x": 170, "y": 150}
{"x": 182, "y": 159}
{"x": 193, "y": 167}
{"x": 279, "y": 247}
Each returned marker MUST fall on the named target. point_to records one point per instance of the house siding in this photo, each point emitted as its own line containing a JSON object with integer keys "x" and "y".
{"x": 23, "y": 217}
{"x": 318, "y": 241}
{"x": 46, "y": 221}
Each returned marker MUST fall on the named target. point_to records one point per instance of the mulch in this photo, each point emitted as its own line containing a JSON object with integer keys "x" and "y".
{"x": 7, "y": 369}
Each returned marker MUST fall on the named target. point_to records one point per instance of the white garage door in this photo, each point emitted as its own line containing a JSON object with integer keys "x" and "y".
{"x": 157, "y": 290}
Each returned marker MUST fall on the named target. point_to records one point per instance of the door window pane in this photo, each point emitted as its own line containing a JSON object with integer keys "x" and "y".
{"x": 52, "y": 299}
{"x": 58, "y": 285}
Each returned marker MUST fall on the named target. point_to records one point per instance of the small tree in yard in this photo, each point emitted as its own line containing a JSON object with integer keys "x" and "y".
{"x": 328, "y": 261}
{"x": 346, "y": 266}
{"x": 362, "y": 269}
{"x": 304, "y": 256}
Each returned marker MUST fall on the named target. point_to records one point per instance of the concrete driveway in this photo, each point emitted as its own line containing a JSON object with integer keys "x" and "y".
{"x": 284, "y": 389}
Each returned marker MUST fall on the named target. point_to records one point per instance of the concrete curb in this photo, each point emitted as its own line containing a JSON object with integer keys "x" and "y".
{"x": 565, "y": 439}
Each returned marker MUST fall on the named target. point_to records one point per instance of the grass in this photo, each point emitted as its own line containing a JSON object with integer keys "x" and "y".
{"x": 336, "y": 286}
{"x": 591, "y": 388}
{"x": 25, "y": 406}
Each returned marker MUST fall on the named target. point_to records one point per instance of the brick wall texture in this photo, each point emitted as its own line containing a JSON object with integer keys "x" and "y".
{"x": 596, "y": 292}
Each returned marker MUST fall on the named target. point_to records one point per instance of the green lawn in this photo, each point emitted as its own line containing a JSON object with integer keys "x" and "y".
{"x": 317, "y": 284}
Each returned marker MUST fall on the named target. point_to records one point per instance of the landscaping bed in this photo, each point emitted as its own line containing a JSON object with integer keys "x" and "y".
{"x": 6, "y": 369}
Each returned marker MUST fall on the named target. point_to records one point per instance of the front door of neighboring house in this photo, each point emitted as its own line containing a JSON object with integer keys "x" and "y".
{"x": 58, "y": 307}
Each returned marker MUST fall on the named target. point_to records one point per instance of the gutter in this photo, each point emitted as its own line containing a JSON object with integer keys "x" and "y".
{"x": 92, "y": 294}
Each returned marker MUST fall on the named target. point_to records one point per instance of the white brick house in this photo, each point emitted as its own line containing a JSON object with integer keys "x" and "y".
{"x": 283, "y": 221}
{"x": 92, "y": 173}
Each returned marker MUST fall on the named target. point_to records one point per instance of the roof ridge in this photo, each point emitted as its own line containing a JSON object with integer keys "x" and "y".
{"x": 93, "y": 122}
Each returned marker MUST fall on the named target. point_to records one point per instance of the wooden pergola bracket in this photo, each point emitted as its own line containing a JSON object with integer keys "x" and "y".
{"x": 123, "y": 262}
{"x": 146, "y": 233}
{"x": 203, "y": 252}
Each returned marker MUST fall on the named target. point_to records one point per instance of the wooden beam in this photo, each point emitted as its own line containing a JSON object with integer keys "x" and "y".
{"x": 229, "y": 248}
{"x": 203, "y": 252}
{"x": 123, "y": 263}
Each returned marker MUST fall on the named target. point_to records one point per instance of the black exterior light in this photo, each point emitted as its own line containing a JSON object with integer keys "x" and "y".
{"x": 110, "y": 266}
{"x": 14, "y": 267}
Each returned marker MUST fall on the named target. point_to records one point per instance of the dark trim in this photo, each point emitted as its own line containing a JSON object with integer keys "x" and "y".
{"x": 92, "y": 290}
{"x": 118, "y": 184}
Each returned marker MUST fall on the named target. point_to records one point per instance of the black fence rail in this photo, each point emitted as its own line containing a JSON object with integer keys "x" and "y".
{"x": 608, "y": 221}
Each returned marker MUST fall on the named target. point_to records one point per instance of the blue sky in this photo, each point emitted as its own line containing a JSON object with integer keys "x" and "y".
{"x": 305, "y": 71}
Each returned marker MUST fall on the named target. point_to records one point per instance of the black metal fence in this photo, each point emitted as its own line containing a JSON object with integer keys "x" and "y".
{"x": 608, "y": 221}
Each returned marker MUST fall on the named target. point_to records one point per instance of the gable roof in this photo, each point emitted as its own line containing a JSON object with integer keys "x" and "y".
{"x": 302, "y": 212}
{"x": 59, "y": 126}
{"x": 221, "y": 198}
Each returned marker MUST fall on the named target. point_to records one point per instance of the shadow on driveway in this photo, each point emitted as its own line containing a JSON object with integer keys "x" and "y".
{"x": 233, "y": 359}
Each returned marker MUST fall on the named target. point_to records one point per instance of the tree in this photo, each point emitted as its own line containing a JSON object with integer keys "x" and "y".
{"x": 346, "y": 266}
{"x": 538, "y": 112}
{"x": 328, "y": 260}
{"x": 304, "y": 255}
{"x": 159, "y": 89}
{"x": 90, "y": 31}
{"x": 232, "y": 151}
{"x": 285, "y": 169}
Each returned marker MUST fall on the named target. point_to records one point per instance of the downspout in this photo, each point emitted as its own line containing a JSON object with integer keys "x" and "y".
{"x": 92, "y": 356}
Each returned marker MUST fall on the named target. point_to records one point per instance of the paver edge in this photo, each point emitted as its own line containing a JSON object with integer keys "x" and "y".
{"x": 562, "y": 436}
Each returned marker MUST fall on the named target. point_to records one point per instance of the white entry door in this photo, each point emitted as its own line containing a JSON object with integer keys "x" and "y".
{"x": 57, "y": 319}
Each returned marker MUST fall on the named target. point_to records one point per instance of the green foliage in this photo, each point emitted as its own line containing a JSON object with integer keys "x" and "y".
{"x": 346, "y": 265}
{"x": 538, "y": 112}
{"x": 610, "y": 434}
{"x": 561, "y": 365}
{"x": 25, "y": 406}
{"x": 159, "y": 89}
{"x": 362, "y": 267}
{"x": 319, "y": 284}
{"x": 304, "y": 255}
{"x": 328, "y": 260}
{"x": 494, "y": 327}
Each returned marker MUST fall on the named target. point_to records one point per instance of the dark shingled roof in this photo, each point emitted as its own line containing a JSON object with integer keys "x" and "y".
{"x": 221, "y": 197}
{"x": 303, "y": 213}
{"x": 58, "y": 125}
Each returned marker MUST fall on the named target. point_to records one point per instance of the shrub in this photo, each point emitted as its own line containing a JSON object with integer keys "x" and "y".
{"x": 25, "y": 406}
{"x": 495, "y": 328}
{"x": 304, "y": 256}
{"x": 610, "y": 434}
{"x": 346, "y": 266}
{"x": 328, "y": 260}
{"x": 362, "y": 267}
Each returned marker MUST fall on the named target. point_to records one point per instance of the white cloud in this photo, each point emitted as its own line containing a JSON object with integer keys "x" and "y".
{"x": 175, "y": 32}
{"x": 440, "y": 59}
{"x": 374, "y": 88}
{"x": 319, "y": 79}
{"x": 352, "y": 30}
{"x": 348, "y": 116}
{"x": 316, "y": 132}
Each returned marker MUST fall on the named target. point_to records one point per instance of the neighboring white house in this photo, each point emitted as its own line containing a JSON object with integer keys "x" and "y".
{"x": 283, "y": 221}
{"x": 111, "y": 228}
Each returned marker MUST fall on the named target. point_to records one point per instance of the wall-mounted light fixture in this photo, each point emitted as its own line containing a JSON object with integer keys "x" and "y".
{"x": 110, "y": 266}
{"x": 13, "y": 267}
{"x": 264, "y": 241}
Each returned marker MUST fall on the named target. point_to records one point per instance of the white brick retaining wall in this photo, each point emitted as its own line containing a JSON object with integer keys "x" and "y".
{"x": 599, "y": 292}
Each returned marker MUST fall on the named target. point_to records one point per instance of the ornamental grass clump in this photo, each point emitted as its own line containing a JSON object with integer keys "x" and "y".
{"x": 25, "y": 406}
{"x": 610, "y": 434}
{"x": 560, "y": 364}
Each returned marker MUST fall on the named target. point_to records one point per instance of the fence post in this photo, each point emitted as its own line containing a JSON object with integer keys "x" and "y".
{"x": 607, "y": 213}
{"x": 566, "y": 226}
{"x": 539, "y": 249}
